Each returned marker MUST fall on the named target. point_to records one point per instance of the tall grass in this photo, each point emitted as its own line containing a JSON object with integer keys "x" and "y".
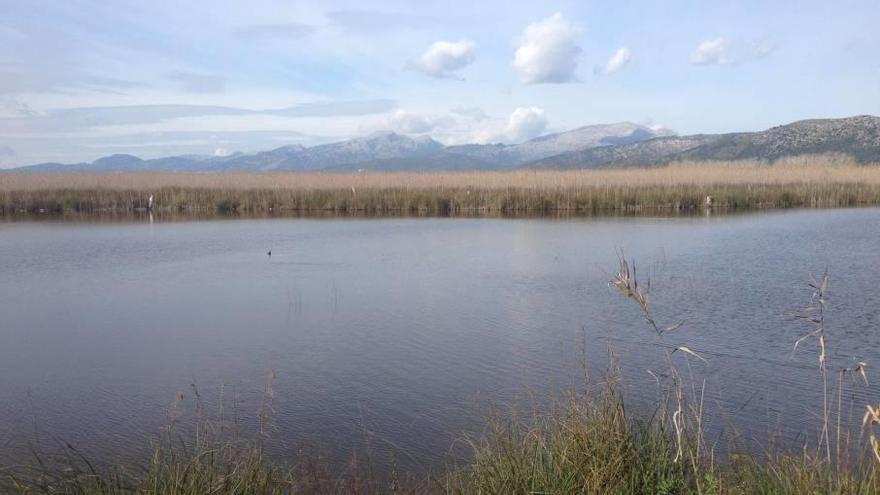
{"x": 586, "y": 444}
{"x": 592, "y": 446}
{"x": 823, "y": 181}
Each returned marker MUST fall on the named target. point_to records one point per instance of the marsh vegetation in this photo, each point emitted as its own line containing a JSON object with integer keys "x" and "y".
{"x": 824, "y": 181}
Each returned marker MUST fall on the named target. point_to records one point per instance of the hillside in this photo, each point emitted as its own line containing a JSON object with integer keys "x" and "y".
{"x": 857, "y": 136}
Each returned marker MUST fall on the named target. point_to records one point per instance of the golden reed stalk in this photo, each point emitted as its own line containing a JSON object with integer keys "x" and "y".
{"x": 816, "y": 181}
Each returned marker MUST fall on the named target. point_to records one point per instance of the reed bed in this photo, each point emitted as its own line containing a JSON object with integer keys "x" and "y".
{"x": 823, "y": 181}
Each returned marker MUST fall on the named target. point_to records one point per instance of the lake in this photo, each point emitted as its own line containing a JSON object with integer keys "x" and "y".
{"x": 402, "y": 334}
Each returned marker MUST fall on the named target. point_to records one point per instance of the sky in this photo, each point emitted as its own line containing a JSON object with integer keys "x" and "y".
{"x": 81, "y": 79}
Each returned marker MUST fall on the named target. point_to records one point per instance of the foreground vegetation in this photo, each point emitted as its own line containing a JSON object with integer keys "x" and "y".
{"x": 588, "y": 444}
{"x": 581, "y": 448}
{"x": 824, "y": 181}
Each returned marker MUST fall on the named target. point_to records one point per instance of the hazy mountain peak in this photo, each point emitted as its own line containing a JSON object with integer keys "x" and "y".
{"x": 424, "y": 139}
{"x": 589, "y": 136}
{"x": 118, "y": 156}
{"x": 119, "y": 160}
{"x": 596, "y": 133}
{"x": 285, "y": 148}
{"x": 383, "y": 134}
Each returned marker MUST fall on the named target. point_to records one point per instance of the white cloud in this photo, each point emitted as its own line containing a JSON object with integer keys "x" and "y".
{"x": 711, "y": 52}
{"x": 526, "y": 123}
{"x": 443, "y": 58}
{"x": 548, "y": 51}
{"x": 618, "y": 60}
{"x": 727, "y": 51}
{"x": 523, "y": 124}
{"x": 414, "y": 123}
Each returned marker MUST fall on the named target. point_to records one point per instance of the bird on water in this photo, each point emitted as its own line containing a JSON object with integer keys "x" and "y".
{"x": 270, "y": 253}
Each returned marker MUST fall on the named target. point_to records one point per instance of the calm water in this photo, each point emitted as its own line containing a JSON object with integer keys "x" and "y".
{"x": 402, "y": 333}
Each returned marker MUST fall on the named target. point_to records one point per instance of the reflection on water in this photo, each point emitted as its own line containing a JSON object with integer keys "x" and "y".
{"x": 405, "y": 331}
{"x": 144, "y": 215}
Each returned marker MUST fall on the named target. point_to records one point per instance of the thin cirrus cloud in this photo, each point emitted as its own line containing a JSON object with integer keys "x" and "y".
{"x": 103, "y": 82}
{"x": 444, "y": 58}
{"x": 14, "y": 108}
{"x": 87, "y": 117}
{"x": 619, "y": 59}
{"x": 290, "y": 30}
{"x": 726, "y": 51}
{"x": 473, "y": 113}
{"x": 548, "y": 51}
{"x": 763, "y": 47}
{"x": 198, "y": 83}
{"x": 372, "y": 21}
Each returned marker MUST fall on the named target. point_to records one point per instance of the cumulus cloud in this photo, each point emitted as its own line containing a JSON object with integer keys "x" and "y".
{"x": 523, "y": 124}
{"x": 711, "y": 52}
{"x": 548, "y": 51}
{"x": 443, "y": 58}
{"x": 618, "y": 61}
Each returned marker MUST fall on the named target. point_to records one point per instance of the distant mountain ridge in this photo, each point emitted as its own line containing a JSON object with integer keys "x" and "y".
{"x": 378, "y": 151}
{"x": 857, "y": 136}
{"x": 621, "y": 144}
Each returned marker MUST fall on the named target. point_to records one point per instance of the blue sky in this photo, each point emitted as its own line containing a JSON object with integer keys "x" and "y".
{"x": 82, "y": 79}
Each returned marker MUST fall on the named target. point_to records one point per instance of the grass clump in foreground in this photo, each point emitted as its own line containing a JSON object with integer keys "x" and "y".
{"x": 809, "y": 181}
{"x": 588, "y": 444}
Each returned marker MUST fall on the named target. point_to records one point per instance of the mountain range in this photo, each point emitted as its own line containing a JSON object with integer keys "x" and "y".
{"x": 597, "y": 146}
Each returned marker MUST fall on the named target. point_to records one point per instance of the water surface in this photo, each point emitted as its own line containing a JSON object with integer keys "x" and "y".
{"x": 401, "y": 333}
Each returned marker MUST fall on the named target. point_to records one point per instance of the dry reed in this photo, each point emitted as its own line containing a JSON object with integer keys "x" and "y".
{"x": 824, "y": 181}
